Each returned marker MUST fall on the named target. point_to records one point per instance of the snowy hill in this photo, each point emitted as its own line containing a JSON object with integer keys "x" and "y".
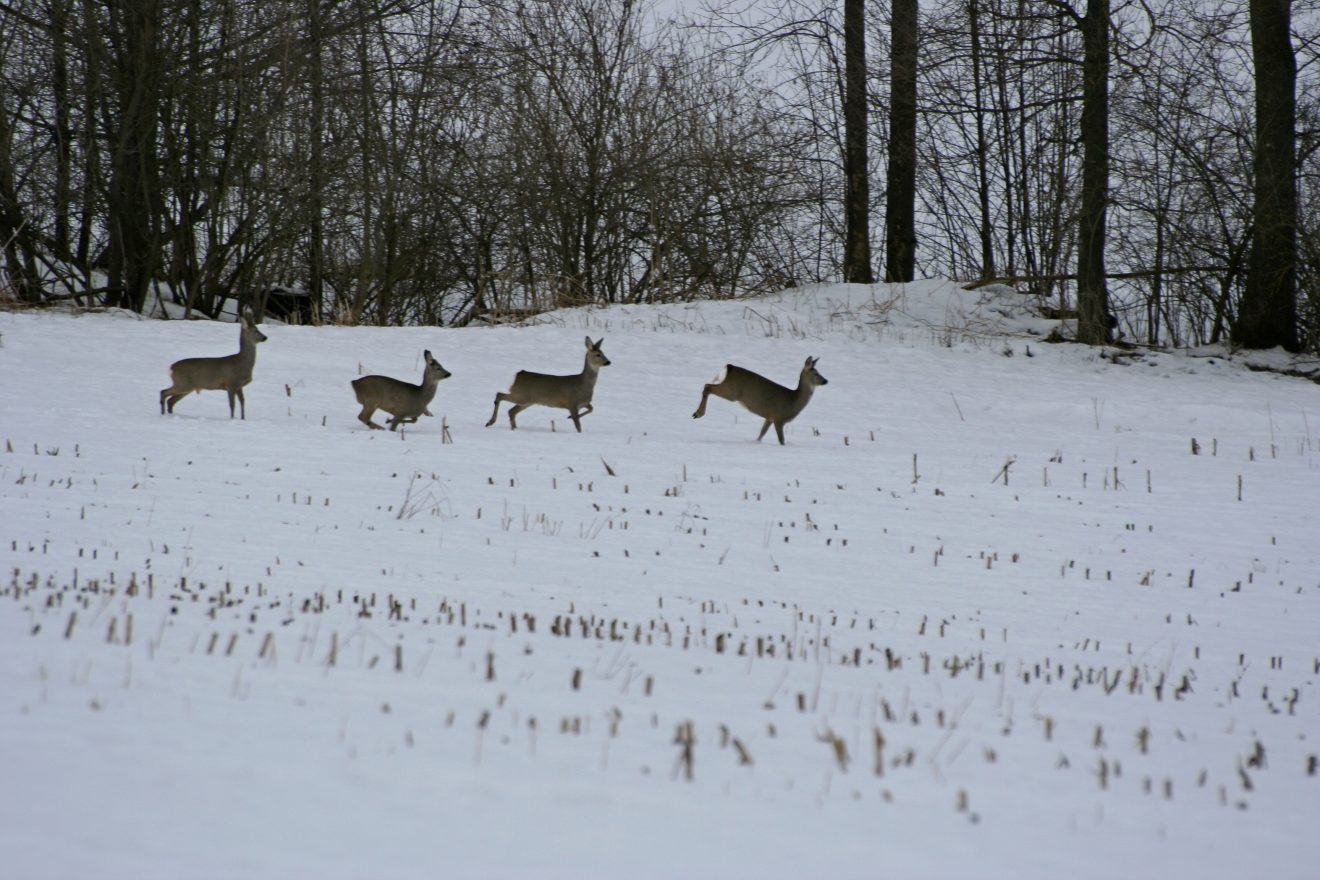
{"x": 999, "y": 608}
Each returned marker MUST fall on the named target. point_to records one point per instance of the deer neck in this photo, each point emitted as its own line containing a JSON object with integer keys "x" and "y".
{"x": 589, "y": 373}
{"x": 802, "y": 394}
{"x": 247, "y": 349}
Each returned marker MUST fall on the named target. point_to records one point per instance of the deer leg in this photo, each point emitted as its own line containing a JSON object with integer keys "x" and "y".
{"x": 242, "y": 405}
{"x": 720, "y": 390}
{"x": 577, "y": 418}
{"x": 701, "y": 410}
{"x": 513, "y": 412}
{"x": 164, "y": 393}
{"x": 365, "y": 418}
{"x": 499, "y": 398}
{"x": 764, "y": 428}
{"x": 779, "y": 430}
{"x": 395, "y": 421}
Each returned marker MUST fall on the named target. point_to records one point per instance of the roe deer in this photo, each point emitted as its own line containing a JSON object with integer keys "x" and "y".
{"x": 228, "y": 373}
{"x": 572, "y": 393}
{"x": 402, "y": 400}
{"x": 769, "y": 400}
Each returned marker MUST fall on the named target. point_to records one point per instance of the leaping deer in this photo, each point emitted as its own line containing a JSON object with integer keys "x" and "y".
{"x": 769, "y": 400}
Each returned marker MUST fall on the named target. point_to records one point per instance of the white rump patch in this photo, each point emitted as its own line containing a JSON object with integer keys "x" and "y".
{"x": 724, "y": 374}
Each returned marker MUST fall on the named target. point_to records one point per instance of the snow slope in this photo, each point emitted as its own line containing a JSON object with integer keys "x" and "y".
{"x": 1000, "y": 608}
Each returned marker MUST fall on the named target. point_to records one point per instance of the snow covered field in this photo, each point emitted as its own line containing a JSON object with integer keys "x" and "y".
{"x": 999, "y": 608}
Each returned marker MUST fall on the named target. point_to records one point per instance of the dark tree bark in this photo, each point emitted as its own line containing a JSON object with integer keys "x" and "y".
{"x": 18, "y": 261}
{"x": 901, "y": 179}
{"x": 983, "y": 157}
{"x": 316, "y": 171}
{"x": 1267, "y": 316}
{"x": 856, "y": 187}
{"x": 62, "y": 132}
{"x": 92, "y": 146}
{"x": 133, "y": 206}
{"x": 1094, "y": 323}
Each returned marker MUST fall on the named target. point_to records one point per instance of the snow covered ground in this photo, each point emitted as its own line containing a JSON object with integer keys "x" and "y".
{"x": 999, "y": 608}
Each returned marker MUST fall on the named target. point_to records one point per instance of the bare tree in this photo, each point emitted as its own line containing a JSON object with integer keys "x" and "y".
{"x": 982, "y": 143}
{"x": 901, "y": 177}
{"x": 1267, "y": 316}
{"x": 316, "y": 165}
{"x": 1093, "y": 317}
{"x": 135, "y": 63}
{"x": 856, "y": 167}
{"x": 15, "y": 235}
{"x": 414, "y": 162}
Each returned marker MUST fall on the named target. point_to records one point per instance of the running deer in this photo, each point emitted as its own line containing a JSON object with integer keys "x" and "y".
{"x": 228, "y": 373}
{"x": 769, "y": 400}
{"x": 572, "y": 393}
{"x": 405, "y": 402}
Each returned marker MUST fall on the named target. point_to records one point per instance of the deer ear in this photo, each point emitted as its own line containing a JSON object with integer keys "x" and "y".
{"x": 427, "y": 354}
{"x": 599, "y": 341}
{"x": 588, "y": 342}
{"x": 811, "y": 361}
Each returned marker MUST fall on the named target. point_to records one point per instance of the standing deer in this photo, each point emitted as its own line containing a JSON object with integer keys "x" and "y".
{"x": 572, "y": 393}
{"x": 404, "y": 401}
{"x": 229, "y": 373}
{"x": 769, "y": 400}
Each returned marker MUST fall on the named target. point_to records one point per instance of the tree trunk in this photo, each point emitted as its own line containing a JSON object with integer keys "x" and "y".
{"x": 92, "y": 181}
{"x": 316, "y": 170}
{"x": 856, "y": 186}
{"x": 62, "y": 131}
{"x": 1267, "y": 315}
{"x": 901, "y": 180}
{"x": 132, "y": 209}
{"x": 1093, "y": 319}
{"x": 982, "y": 143}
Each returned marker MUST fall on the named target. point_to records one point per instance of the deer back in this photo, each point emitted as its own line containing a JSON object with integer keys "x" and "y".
{"x": 566, "y": 392}
{"x": 769, "y": 399}
{"x": 399, "y": 398}
{"x": 229, "y": 372}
